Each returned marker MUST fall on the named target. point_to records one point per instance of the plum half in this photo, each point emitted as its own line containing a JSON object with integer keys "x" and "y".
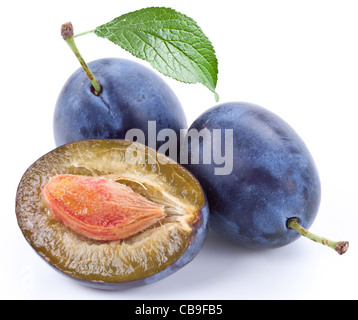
{"x": 112, "y": 214}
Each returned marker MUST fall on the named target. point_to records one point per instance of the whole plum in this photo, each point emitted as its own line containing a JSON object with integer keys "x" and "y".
{"x": 131, "y": 96}
{"x": 273, "y": 179}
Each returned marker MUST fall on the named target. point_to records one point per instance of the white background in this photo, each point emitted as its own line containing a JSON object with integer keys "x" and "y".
{"x": 296, "y": 58}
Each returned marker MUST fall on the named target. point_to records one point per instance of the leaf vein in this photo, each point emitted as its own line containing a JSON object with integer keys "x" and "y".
{"x": 178, "y": 49}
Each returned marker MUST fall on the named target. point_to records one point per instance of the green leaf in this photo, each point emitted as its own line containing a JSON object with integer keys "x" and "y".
{"x": 170, "y": 41}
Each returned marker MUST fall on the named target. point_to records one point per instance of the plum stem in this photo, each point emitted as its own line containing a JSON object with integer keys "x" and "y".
{"x": 341, "y": 246}
{"x": 68, "y": 36}
{"x": 83, "y": 33}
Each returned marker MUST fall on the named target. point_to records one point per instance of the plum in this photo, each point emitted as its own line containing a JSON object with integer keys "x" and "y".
{"x": 100, "y": 212}
{"x": 131, "y": 96}
{"x": 273, "y": 185}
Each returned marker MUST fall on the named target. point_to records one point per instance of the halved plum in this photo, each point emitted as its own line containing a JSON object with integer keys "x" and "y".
{"x": 112, "y": 218}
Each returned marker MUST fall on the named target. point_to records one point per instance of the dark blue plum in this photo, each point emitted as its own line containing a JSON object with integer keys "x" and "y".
{"x": 132, "y": 95}
{"x": 274, "y": 177}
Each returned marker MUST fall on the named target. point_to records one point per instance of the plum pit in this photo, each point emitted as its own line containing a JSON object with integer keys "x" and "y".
{"x": 99, "y": 208}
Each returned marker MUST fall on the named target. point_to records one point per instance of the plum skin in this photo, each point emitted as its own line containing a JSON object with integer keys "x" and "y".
{"x": 132, "y": 95}
{"x": 274, "y": 177}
